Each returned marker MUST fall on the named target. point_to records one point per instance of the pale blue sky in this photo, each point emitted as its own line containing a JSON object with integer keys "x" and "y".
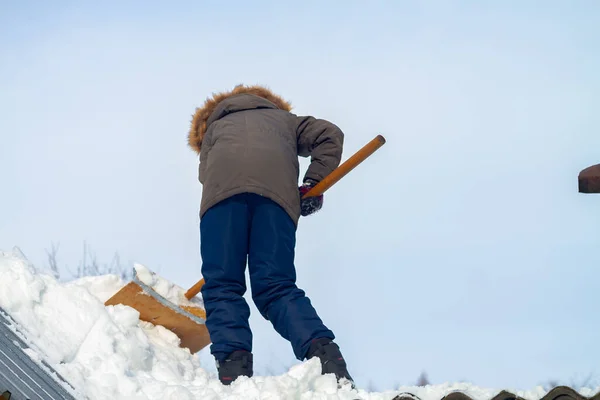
{"x": 461, "y": 248}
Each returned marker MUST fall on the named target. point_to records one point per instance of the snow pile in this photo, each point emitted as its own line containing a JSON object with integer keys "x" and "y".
{"x": 108, "y": 353}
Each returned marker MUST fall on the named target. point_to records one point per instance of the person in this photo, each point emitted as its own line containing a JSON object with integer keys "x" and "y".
{"x": 248, "y": 142}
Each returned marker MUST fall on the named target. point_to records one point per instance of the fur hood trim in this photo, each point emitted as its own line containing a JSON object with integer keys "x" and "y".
{"x": 202, "y": 114}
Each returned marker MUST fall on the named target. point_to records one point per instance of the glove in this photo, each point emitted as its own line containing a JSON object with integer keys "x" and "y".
{"x": 312, "y": 204}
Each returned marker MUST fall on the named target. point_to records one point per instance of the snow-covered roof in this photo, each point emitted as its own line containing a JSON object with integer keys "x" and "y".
{"x": 53, "y": 332}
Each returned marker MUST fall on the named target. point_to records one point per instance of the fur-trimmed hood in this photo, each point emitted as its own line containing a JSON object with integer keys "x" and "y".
{"x": 200, "y": 119}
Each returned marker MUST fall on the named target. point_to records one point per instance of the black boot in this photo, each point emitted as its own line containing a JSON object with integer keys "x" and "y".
{"x": 239, "y": 363}
{"x": 332, "y": 361}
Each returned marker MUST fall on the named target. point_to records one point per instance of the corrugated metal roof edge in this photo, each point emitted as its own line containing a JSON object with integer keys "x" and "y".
{"x": 557, "y": 393}
{"x": 23, "y": 376}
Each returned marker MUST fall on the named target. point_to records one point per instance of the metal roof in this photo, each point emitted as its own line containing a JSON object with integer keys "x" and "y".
{"x": 557, "y": 393}
{"x": 22, "y": 378}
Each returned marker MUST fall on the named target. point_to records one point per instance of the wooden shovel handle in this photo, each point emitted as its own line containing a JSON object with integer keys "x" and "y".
{"x": 320, "y": 188}
{"x": 194, "y": 290}
{"x": 351, "y": 163}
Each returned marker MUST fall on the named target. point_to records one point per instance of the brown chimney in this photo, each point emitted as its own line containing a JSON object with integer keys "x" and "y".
{"x": 589, "y": 180}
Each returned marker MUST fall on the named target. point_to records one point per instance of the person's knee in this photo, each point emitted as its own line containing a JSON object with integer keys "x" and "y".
{"x": 223, "y": 291}
{"x": 274, "y": 296}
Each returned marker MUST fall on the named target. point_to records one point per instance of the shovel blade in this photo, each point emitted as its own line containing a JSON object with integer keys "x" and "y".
{"x": 188, "y": 323}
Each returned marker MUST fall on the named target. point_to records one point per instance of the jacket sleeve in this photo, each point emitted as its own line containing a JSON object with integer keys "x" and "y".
{"x": 323, "y": 142}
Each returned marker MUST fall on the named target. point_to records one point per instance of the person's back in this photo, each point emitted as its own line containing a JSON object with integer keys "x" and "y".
{"x": 249, "y": 143}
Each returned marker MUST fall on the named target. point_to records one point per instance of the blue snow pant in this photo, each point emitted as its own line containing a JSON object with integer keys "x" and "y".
{"x": 253, "y": 229}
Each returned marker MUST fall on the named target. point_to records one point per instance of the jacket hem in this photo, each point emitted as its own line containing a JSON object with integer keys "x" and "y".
{"x": 260, "y": 190}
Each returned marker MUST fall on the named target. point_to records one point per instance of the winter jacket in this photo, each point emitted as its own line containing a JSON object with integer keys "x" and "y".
{"x": 249, "y": 141}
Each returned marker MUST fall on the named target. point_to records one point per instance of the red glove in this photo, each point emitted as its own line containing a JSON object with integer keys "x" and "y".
{"x": 312, "y": 204}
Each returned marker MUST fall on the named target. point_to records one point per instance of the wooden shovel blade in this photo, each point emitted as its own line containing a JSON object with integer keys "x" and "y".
{"x": 188, "y": 323}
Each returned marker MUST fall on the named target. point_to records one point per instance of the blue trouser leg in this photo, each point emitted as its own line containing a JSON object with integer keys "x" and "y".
{"x": 273, "y": 276}
{"x": 224, "y": 249}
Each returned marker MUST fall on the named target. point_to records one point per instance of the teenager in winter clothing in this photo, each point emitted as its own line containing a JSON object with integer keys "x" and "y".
{"x": 249, "y": 143}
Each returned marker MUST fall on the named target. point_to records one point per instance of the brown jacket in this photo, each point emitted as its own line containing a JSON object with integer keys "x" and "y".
{"x": 249, "y": 141}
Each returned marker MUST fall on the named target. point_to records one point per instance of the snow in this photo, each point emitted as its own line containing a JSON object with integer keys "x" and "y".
{"x": 106, "y": 352}
{"x": 175, "y": 294}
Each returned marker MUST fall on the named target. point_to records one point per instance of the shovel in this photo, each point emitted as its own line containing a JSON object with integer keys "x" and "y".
{"x": 186, "y": 318}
